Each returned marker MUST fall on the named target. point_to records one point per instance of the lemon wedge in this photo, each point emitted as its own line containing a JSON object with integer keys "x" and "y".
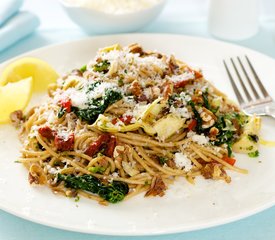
{"x": 41, "y": 72}
{"x": 14, "y": 96}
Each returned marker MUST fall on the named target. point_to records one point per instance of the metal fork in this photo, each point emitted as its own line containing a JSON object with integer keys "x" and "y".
{"x": 257, "y": 102}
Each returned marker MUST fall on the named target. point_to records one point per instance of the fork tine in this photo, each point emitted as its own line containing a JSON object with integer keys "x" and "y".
{"x": 248, "y": 79}
{"x": 261, "y": 86}
{"x": 238, "y": 95}
{"x": 241, "y": 81}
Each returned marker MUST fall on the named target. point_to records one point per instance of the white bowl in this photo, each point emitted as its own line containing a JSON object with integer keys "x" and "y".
{"x": 93, "y": 21}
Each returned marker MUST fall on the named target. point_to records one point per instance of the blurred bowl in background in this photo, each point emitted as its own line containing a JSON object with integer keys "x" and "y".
{"x": 95, "y": 21}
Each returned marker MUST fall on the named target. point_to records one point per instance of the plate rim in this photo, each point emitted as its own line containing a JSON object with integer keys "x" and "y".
{"x": 179, "y": 229}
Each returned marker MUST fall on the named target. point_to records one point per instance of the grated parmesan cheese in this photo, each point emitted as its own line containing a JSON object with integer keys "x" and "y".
{"x": 182, "y": 161}
{"x": 200, "y": 139}
{"x": 181, "y": 112}
{"x": 182, "y": 77}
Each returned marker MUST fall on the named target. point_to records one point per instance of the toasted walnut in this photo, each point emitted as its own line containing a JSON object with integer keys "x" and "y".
{"x": 155, "y": 91}
{"x": 208, "y": 118}
{"x": 118, "y": 151}
{"x": 135, "y": 48}
{"x": 157, "y": 187}
{"x": 155, "y": 54}
{"x": 37, "y": 175}
{"x": 171, "y": 163}
{"x": 197, "y": 99}
{"x": 77, "y": 72}
{"x": 215, "y": 171}
{"x": 167, "y": 90}
{"x": 71, "y": 193}
{"x": 135, "y": 88}
{"x": 172, "y": 64}
{"x": 16, "y": 118}
{"x": 213, "y": 133}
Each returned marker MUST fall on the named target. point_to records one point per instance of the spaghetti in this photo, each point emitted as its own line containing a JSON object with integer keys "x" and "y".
{"x": 129, "y": 122}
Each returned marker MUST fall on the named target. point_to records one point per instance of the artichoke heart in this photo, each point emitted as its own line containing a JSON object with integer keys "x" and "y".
{"x": 246, "y": 144}
{"x": 169, "y": 125}
{"x": 104, "y": 124}
{"x": 111, "y": 48}
{"x": 149, "y": 129}
{"x": 153, "y": 110}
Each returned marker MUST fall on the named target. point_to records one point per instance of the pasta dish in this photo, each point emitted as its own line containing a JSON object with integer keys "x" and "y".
{"x": 132, "y": 121}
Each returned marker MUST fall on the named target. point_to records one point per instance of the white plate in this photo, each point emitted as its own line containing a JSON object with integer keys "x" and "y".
{"x": 185, "y": 207}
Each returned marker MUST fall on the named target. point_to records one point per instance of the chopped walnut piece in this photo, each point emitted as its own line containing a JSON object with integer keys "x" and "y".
{"x": 213, "y": 132}
{"x": 171, "y": 163}
{"x": 118, "y": 151}
{"x": 208, "y": 118}
{"x": 157, "y": 187}
{"x": 172, "y": 64}
{"x": 37, "y": 175}
{"x": 33, "y": 179}
{"x": 197, "y": 99}
{"x": 136, "y": 48}
{"x": 135, "y": 88}
{"x": 167, "y": 90}
{"x": 215, "y": 171}
{"x": 16, "y": 118}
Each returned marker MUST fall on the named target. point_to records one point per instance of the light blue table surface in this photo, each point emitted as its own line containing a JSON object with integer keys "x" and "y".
{"x": 259, "y": 226}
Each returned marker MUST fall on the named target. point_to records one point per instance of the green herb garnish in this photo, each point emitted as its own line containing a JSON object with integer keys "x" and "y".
{"x": 83, "y": 68}
{"x": 253, "y": 137}
{"x": 120, "y": 82}
{"x": 77, "y": 198}
{"x": 162, "y": 160}
{"x": 102, "y": 66}
{"x": 97, "y": 169}
{"x": 254, "y": 154}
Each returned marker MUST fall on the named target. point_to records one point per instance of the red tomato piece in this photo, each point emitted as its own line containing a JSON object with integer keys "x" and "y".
{"x": 181, "y": 84}
{"x": 66, "y": 104}
{"x": 64, "y": 144}
{"x": 126, "y": 119}
{"x": 96, "y": 145}
{"x": 192, "y": 124}
{"x": 229, "y": 160}
{"x": 114, "y": 121}
{"x": 196, "y": 73}
{"x": 46, "y": 132}
{"x": 109, "y": 151}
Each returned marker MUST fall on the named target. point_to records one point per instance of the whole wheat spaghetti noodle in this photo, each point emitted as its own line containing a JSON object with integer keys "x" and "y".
{"x": 132, "y": 121}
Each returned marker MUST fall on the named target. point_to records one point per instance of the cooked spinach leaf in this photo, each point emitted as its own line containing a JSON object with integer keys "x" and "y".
{"x": 61, "y": 112}
{"x": 198, "y": 118}
{"x": 205, "y": 100}
{"x": 113, "y": 192}
{"x": 97, "y": 106}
